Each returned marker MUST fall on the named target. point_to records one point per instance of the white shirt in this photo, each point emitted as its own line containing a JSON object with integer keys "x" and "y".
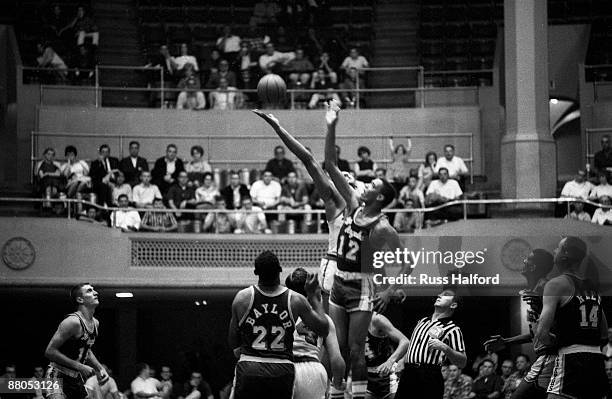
{"x": 170, "y": 167}
{"x": 125, "y": 219}
{"x": 277, "y": 57}
{"x": 146, "y": 386}
{"x": 268, "y": 194}
{"x": 145, "y": 195}
{"x": 603, "y": 190}
{"x": 184, "y": 60}
{"x": 232, "y": 44}
{"x": 360, "y": 62}
{"x": 455, "y": 166}
{"x": 574, "y": 189}
{"x": 223, "y": 100}
{"x": 100, "y": 392}
{"x": 450, "y": 189}
{"x": 601, "y": 216}
{"x": 251, "y": 222}
{"x": 134, "y": 161}
{"x": 204, "y": 194}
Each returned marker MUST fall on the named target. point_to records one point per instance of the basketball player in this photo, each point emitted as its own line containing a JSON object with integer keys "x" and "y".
{"x": 381, "y": 358}
{"x": 573, "y": 305}
{"x": 364, "y": 230}
{"x": 261, "y": 329}
{"x": 537, "y": 266}
{"x": 310, "y": 375}
{"x": 72, "y": 360}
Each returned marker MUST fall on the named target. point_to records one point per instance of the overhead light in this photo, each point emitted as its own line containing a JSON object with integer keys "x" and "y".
{"x": 124, "y": 295}
{"x": 554, "y": 101}
{"x": 197, "y": 303}
{"x": 204, "y": 303}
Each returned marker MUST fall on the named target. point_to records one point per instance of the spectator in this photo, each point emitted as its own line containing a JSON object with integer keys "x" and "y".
{"x": 166, "y": 383}
{"x": 48, "y": 58}
{"x": 167, "y": 168}
{"x": 607, "y": 349}
{"x": 265, "y": 12}
{"x": 55, "y": 23}
{"x": 364, "y": 167}
{"x": 39, "y": 373}
{"x": 513, "y": 381}
{"x": 190, "y": 97}
{"x": 144, "y": 386}
{"x": 356, "y": 61}
{"x": 603, "y": 189}
{"x": 458, "y": 385}
{"x": 246, "y": 63}
{"x": 121, "y": 188}
{"x": 603, "y": 158}
{"x": 413, "y": 192}
{"x": 300, "y": 67}
{"x": 455, "y": 165}
{"x": 580, "y": 187}
{"x": 301, "y": 97}
{"x": 255, "y": 39}
{"x": 445, "y": 372}
{"x": 235, "y": 192}
{"x": 181, "y": 196}
{"x": 91, "y": 215}
{"x": 107, "y": 391}
{"x": 343, "y": 164}
{"x": 228, "y": 44}
{"x": 102, "y": 175}
{"x": 603, "y": 216}
{"x": 399, "y": 168}
{"x": 294, "y": 196}
{"x": 76, "y": 173}
{"x": 206, "y": 193}
{"x": 225, "y": 97}
{"x": 133, "y": 165}
{"x": 10, "y": 371}
{"x": 266, "y": 193}
{"x": 349, "y": 87}
{"x": 196, "y": 388}
{"x": 197, "y": 166}
{"x": 144, "y": 193}
{"x": 49, "y": 176}
{"x": 440, "y": 192}
{"x": 159, "y": 222}
{"x": 251, "y": 222}
{"x": 608, "y": 365}
{"x": 507, "y": 368}
{"x": 428, "y": 170}
{"x": 164, "y": 60}
{"x": 489, "y": 385}
{"x": 126, "y": 220}
{"x": 380, "y": 173}
{"x": 405, "y": 222}
{"x": 85, "y": 64}
{"x": 84, "y": 27}
{"x": 579, "y": 213}
{"x": 182, "y": 60}
{"x": 328, "y": 70}
{"x": 273, "y": 61}
{"x": 219, "y": 222}
{"x": 223, "y": 72}
{"x": 326, "y": 87}
{"x": 279, "y": 166}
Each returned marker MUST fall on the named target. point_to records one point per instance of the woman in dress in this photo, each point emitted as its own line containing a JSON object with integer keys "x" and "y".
{"x": 197, "y": 166}
{"x": 399, "y": 168}
{"x": 76, "y": 172}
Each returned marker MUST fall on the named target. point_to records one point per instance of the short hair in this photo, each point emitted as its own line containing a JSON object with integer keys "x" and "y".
{"x": 140, "y": 367}
{"x": 543, "y": 260}
{"x": 296, "y": 280}
{"x": 134, "y": 142}
{"x": 487, "y": 360}
{"x": 522, "y": 355}
{"x": 207, "y": 174}
{"x": 234, "y": 173}
{"x": 267, "y": 266}
{"x": 267, "y": 171}
{"x": 183, "y": 172}
{"x": 363, "y": 149}
{"x": 248, "y": 198}
{"x": 388, "y": 192}
{"x": 197, "y": 148}
{"x": 171, "y": 146}
{"x": 382, "y": 170}
{"x": 103, "y": 146}
{"x": 123, "y": 196}
{"x": 75, "y": 292}
{"x": 279, "y": 147}
{"x": 441, "y": 169}
{"x": 575, "y": 248}
{"x": 452, "y": 147}
{"x": 49, "y": 149}
{"x": 70, "y": 150}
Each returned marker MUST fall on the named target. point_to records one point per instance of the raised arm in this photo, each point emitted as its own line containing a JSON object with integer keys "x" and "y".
{"x": 314, "y": 316}
{"x": 384, "y": 325}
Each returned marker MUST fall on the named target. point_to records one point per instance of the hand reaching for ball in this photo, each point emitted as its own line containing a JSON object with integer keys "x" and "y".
{"x": 271, "y": 119}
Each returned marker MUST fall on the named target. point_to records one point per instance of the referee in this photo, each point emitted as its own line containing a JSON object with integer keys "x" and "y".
{"x": 435, "y": 341}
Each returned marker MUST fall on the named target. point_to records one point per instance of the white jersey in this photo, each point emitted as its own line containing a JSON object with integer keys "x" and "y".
{"x": 306, "y": 343}
{"x": 334, "y": 230}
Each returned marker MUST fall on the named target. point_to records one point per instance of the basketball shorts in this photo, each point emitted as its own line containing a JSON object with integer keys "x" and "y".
{"x": 353, "y": 295}
{"x": 310, "y": 381}
{"x": 579, "y": 372}
{"x": 327, "y": 271}
{"x": 541, "y": 370}
{"x": 256, "y": 380}
{"x": 381, "y": 387}
{"x": 70, "y": 387}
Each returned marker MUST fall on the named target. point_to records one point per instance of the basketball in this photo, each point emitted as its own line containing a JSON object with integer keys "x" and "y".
{"x": 272, "y": 90}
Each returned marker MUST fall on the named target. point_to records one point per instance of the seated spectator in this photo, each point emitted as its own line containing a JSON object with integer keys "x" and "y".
{"x": 144, "y": 386}
{"x": 125, "y": 218}
{"x": 603, "y": 158}
{"x": 133, "y": 165}
{"x": 182, "y": 60}
{"x": 265, "y": 12}
{"x": 294, "y": 196}
{"x": 399, "y": 168}
{"x": 181, "y": 196}
{"x": 488, "y": 384}
{"x": 343, "y": 164}
{"x": 380, "y": 173}
{"x": 222, "y": 73}
{"x": 234, "y": 192}
{"x": 196, "y": 388}
{"x": 158, "y": 221}
{"x": 167, "y": 168}
{"x": 579, "y": 213}
{"x": 211, "y": 64}
{"x": 603, "y": 215}
{"x": 164, "y": 60}
{"x": 365, "y": 167}
{"x": 511, "y": 383}
{"x": 455, "y": 165}
{"x": 108, "y": 390}
{"x": 405, "y": 222}
{"x": 191, "y": 97}
{"x": 246, "y": 64}
{"x": 326, "y": 87}
{"x": 348, "y": 88}
{"x": 91, "y": 215}
{"x": 601, "y": 190}
{"x": 300, "y": 97}
{"x": 76, "y": 173}
{"x": 121, "y": 188}
{"x": 355, "y": 61}
{"x": 206, "y": 193}
{"x": 458, "y": 385}
{"x": 440, "y": 192}
{"x": 84, "y": 27}
{"x": 219, "y": 222}
{"x": 102, "y": 174}
{"x": 300, "y": 67}
{"x": 225, "y": 97}
{"x": 166, "y": 384}
{"x": 279, "y": 166}
{"x": 273, "y": 61}
{"x": 412, "y": 191}
{"x": 197, "y": 166}
{"x": 48, "y": 58}
{"x": 324, "y": 65}
{"x": 228, "y": 44}
{"x": 49, "y": 175}
{"x": 251, "y": 222}
{"x": 266, "y": 193}
{"x": 256, "y": 39}
{"x": 580, "y": 187}
{"x": 144, "y": 193}
{"x": 428, "y": 170}
{"x": 507, "y": 368}
{"x": 85, "y": 64}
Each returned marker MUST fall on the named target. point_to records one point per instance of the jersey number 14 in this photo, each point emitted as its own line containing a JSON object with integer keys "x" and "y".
{"x": 593, "y": 316}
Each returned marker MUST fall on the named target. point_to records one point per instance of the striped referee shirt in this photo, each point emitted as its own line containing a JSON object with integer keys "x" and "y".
{"x": 443, "y": 329}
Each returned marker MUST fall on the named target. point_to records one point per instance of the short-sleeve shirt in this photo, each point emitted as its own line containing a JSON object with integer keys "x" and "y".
{"x": 443, "y": 329}
{"x": 450, "y": 189}
{"x": 147, "y": 386}
{"x": 455, "y": 166}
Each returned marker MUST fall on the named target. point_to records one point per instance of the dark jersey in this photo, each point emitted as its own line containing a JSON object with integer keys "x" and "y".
{"x": 78, "y": 348}
{"x": 578, "y": 322}
{"x": 377, "y": 350}
{"x": 354, "y": 253}
{"x": 266, "y": 329}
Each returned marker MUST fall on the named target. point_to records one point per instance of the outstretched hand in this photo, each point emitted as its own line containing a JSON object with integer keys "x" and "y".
{"x": 495, "y": 343}
{"x": 331, "y": 116}
{"x": 271, "y": 119}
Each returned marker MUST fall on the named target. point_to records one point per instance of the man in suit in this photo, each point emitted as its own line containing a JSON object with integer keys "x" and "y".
{"x": 132, "y": 166}
{"x": 166, "y": 169}
{"x": 102, "y": 174}
{"x": 234, "y": 192}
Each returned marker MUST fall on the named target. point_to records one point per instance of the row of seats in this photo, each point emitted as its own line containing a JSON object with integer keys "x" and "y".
{"x": 237, "y": 3}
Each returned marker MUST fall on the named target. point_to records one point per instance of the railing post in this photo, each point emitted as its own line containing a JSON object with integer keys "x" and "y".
{"x": 292, "y": 96}
{"x": 32, "y": 166}
{"x": 569, "y": 206}
{"x": 69, "y": 206}
{"x": 97, "y": 90}
{"x": 318, "y": 222}
{"x": 357, "y": 90}
{"x": 465, "y": 210}
{"x": 472, "y": 158}
{"x": 161, "y": 79}
{"x": 421, "y": 85}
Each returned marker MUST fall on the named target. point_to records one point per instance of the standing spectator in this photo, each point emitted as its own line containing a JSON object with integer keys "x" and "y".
{"x": 102, "y": 175}
{"x": 164, "y": 60}
{"x": 159, "y": 222}
{"x": 196, "y": 388}
{"x": 182, "y": 60}
{"x": 273, "y": 61}
{"x": 235, "y": 192}
{"x": 39, "y": 373}
{"x": 603, "y": 158}
{"x": 121, "y": 188}
{"x": 84, "y": 27}
{"x": 507, "y": 368}
{"x": 181, "y": 196}
{"x": 219, "y": 222}
{"x": 251, "y": 222}
{"x": 413, "y": 192}
{"x": 364, "y": 167}
{"x": 107, "y": 391}
{"x": 603, "y": 216}
{"x": 144, "y": 386}
{"x": 48, "y": 58}
{"x": 512, "y": 381}
{"x": 428, "y": 170}
{"x": 132, "y": 165}
{"x": 294, "y": 196}
{"x": 405, "y": 222}
{"x": 279, "y": 166}
{"x": 580, "y": 187}
{"x": 167, "y": 168}
{"x": 197, "y": 166}
{"x": 326, "y": 87}
{"x": 225, "y": 97}
{"x": 144, "y": 193}
{"x": 489, "y": 385}
{"x": 458, "y": 385}
{"x": 76, "y": 173}
{"x": 603, "y": 189}
{"x": 399, "y": 168}
{"x": 455, "y": 165}
{"x": 126, "y": 220}
{"x": 223, "y": 72}
{"x": 265, "y": 12}
{"x": 166, "y": 384}
{"x": 579, "y": 213}
{"x": 228, "y": 44}
{"x": 355, "y": 61}
{"x": 206, "y": 193}
{"x": 300, "y": 67}
{"x": 190, "y": 97}
{"x": 440, "y": 192}
{"x": 266, "y": 193}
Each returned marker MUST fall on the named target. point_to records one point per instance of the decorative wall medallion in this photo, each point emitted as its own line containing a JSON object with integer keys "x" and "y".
{"x": 18, "y": 253}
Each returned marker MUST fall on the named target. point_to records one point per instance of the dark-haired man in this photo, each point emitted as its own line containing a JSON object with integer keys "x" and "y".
{"x": 234, "y": 192}
{"x": 166, "y": 169}
{"x": 132, "y": 165}
{"x": 102, "y": 175}
{"x": 279, "y": 165}
{"x": 69, "y": 351}
{"x": 261, "y": 330}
